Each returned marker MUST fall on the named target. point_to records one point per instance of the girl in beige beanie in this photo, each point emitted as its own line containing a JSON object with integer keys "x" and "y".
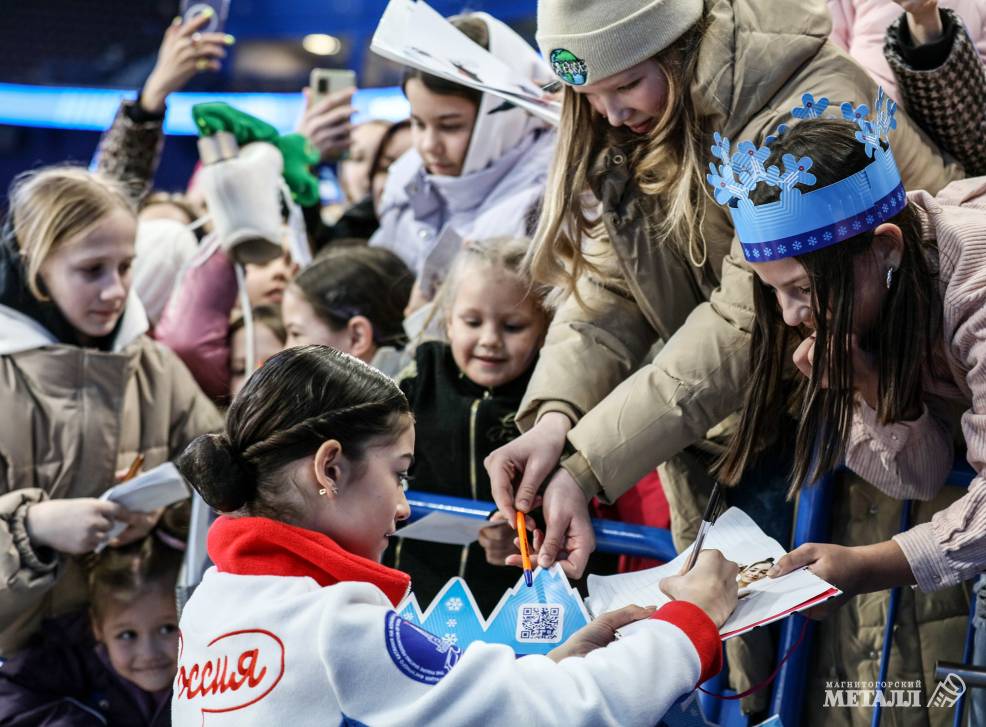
{"x": 627, "y": 236}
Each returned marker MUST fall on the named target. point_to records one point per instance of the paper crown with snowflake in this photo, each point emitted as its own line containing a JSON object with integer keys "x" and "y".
{"x": 801, "y": 222}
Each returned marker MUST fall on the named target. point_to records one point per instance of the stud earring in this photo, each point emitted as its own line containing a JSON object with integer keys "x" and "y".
{"x": 890, "y": 276}
{"x": 322, "y": 491}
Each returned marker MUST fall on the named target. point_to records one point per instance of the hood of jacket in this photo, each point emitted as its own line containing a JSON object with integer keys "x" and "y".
{"x": 749, "y": 52}
{"x": 494, "y": 134}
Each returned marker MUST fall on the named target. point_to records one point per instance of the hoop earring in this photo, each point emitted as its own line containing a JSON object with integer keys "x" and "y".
{"x": 890, "y": 276}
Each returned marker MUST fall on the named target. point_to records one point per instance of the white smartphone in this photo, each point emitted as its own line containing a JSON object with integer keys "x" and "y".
{"x": 326, "y": 81}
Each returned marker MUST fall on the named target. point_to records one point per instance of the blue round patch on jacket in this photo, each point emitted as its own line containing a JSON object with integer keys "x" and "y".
{"x": 418, "y": 654}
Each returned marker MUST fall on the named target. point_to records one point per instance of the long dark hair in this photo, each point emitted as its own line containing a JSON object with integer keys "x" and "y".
{"x": 903, "y": 340}
{"x": 299, "y": 399}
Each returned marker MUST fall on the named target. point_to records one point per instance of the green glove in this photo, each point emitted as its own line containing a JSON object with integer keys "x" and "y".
{"x": 298, "y": 154}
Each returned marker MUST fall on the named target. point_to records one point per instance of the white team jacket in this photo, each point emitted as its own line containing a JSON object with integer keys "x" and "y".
{"x": 284, "y": 651}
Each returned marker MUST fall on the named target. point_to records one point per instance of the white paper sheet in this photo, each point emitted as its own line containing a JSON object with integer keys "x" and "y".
{"x": 740, "y": 540}
{"x": 156, "y": 488}
{"x": 445, "y": 527}
{"x": 414, "y": 34}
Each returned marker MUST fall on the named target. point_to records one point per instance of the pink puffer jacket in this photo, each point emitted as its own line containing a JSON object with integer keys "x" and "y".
{"x": 859, "y": 26}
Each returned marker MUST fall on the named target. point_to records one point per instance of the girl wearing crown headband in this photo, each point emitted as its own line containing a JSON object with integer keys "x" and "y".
{"x": 627, "y": 226}
{"x": 880, "y": 302}
{"x": 296, "y": 622}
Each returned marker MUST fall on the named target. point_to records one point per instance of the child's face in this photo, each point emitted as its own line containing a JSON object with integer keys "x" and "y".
{"x": 265, "y": 283}
{"x": 265, "y": 344}
{"x": 89, "y": 277}
{"x": 495, "y": 328}
{"x": 141, "y": 638}
{"x": 363, "y": 514}
{"x": 635, "y": 98}
{"x": 441, "y": 127}
{"x": 304, "y": 326}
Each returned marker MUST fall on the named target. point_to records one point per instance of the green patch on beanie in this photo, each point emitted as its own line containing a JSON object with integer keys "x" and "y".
{"x": 569, "y": 67}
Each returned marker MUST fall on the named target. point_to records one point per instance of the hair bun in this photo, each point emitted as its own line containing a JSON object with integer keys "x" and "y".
{"x": 218, "y": 473}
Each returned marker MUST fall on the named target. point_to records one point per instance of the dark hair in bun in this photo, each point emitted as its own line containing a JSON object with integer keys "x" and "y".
{"x": 295, "y": 402}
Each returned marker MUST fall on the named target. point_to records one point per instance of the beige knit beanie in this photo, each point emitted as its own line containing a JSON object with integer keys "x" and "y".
{"x": 588, "y": 40}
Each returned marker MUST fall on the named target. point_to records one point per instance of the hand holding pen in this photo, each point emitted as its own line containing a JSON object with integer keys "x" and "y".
{"x": 708, "y": 519}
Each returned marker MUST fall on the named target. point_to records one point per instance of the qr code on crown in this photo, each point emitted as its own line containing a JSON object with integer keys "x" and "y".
{"x": 540, "y": 623}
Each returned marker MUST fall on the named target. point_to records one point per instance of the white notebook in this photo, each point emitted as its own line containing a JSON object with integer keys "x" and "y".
{"x": 741, "y": 540}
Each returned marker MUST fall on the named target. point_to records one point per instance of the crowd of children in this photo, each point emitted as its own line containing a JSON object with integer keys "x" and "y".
{"x": 734, "y": 259}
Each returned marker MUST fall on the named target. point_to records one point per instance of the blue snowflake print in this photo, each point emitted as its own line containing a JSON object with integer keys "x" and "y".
{"x": 810, "y": 108}
{"x": 755, "y": 252}
{"x": 856, "y": 226}
{"x": 869, "y": 138}
{"x": 796, "y": 171}
{"x": 767, "y": 252}
{"x": 451, "y": 623}
{"x": 812, "y": 240}
{"x": 454, "y": 604}
{"x": 869, "y": 219}
{"x": 855, "y": 114}
{"x": 827, "y": 236}
{"x": 842, "y": 230}
{"x": 450, "y": 639}
{"x": 782, "y": 250}
{"x": 720, "y": 147}
{"x": 796, "y": 244}
{"x": 884, "y": 208}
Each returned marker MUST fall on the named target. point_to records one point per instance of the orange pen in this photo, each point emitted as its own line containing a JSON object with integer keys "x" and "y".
{"x": 525, "y": 554}
{"x": 134, "y": 468}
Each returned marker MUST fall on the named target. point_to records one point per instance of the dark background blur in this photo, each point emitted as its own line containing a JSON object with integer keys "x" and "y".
{"x": 113, "y": 44}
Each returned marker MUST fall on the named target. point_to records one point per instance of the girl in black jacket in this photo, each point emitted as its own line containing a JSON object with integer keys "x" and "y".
{"x": 464, "y": 395}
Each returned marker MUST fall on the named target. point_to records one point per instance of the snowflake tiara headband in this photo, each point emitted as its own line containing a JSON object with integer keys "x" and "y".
{"x": 801, "y": 222}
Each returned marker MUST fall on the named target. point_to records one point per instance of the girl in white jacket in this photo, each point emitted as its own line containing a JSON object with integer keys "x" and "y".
{"x": 296, "y": 624}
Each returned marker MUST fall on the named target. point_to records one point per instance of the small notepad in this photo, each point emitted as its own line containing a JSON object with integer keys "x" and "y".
{"x": 154, "y": 489}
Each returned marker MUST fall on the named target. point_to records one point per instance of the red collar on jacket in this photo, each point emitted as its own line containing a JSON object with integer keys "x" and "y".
{"x": 257, "y": 546}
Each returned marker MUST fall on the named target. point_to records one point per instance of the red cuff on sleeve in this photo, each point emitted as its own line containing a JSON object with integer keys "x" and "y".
{"x": 700, "y": 629}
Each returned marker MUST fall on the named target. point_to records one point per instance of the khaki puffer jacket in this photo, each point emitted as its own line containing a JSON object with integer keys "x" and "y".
{"x": 757, "y": 58}
{"x": 71, "y": 418}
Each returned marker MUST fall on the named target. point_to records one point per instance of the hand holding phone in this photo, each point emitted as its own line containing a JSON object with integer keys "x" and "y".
{"x": 186, "y": 49}
{"x": 326, "y": 120}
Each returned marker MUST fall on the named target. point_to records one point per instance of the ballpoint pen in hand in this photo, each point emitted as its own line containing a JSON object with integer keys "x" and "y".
{"x": 711, "y": 511}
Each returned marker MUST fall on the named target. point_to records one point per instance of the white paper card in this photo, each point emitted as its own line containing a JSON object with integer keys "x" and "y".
{"x": 154, "y": 489}
{"x": 414, "y": 34}
{"x": 445, "y": 527}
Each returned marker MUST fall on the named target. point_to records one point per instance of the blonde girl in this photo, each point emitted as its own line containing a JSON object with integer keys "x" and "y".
{"x": 84, "y": 389}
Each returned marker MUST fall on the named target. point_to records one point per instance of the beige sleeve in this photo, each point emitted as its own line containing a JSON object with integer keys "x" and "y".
{"x": 692, "y": 384}
{"x": 589, "y": 349}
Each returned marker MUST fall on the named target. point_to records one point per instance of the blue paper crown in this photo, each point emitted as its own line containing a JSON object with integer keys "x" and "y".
{"x": 801, "y": 222}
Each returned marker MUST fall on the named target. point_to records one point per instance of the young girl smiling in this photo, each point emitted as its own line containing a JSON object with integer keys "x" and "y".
{"x": 464, "y": 395}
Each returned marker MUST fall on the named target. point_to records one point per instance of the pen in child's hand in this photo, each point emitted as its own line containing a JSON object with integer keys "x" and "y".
{"x": 525, "y": 555}
{"x": 134, "y": 468}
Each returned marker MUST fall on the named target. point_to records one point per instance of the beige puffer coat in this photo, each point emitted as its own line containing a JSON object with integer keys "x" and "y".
{"x": 71, "y": 418}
